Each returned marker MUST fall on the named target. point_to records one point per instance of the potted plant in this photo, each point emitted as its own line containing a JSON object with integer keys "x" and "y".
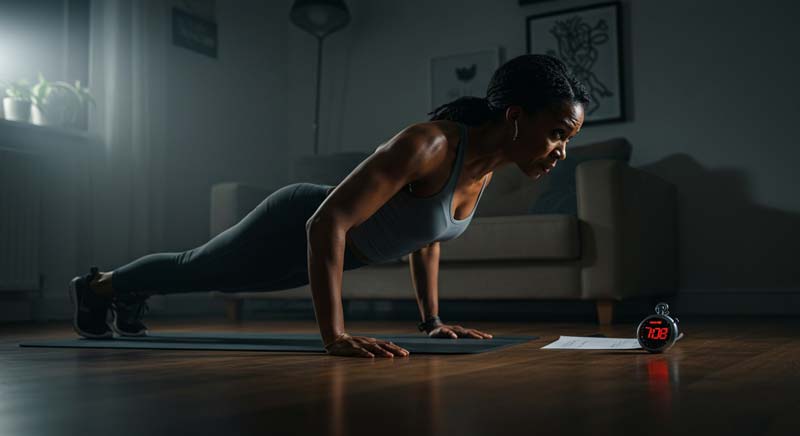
{"x": 80, "y": 117}
{"x": 60, "y": 104}
{"x": 17, "y": 102}
{"x": 53, "y": 103}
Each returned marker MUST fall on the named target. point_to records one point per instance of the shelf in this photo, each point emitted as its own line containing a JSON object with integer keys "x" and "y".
{"x": 30, "y": 138}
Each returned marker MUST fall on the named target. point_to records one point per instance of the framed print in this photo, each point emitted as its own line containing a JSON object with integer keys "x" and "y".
{"x": 588, "y": 40}
{"x": 462, "y": 75}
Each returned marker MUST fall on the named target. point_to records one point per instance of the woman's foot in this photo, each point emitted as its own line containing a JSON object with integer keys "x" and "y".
{"x": 128, "y": 312}
{"x": 127, "y": 308}
{"x": 90, "y": 308}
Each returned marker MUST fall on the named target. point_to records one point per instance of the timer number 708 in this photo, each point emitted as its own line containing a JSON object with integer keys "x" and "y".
{"x": 657, "y": 332}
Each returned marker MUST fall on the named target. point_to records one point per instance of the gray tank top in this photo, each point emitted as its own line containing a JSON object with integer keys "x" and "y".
{"x": 407, "y": 223}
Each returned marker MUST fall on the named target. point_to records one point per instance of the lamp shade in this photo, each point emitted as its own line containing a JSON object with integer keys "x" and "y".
{"x": 320, "y": 17}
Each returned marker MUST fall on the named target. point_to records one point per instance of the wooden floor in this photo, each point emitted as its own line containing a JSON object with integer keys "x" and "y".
{"x": 725, "y": 377}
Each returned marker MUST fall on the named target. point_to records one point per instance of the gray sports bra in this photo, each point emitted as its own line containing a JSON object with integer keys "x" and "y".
{"x": 407, "y": 223}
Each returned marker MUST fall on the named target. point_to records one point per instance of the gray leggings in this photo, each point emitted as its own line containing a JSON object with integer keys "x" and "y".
{"x": 265, "y": 251}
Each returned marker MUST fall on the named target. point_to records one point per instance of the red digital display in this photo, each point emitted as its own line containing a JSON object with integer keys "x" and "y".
{"x": 658, "y": 333}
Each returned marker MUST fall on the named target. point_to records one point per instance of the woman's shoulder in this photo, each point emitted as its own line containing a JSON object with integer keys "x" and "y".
{"x": 448, "y": 130}
{"x": 441, "y": 136}
{"x": 433, "y": 142}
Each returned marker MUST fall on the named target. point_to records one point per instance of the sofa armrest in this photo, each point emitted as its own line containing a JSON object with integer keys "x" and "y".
{"x": 628, "y": 224}
{"x": 231, "y": 201}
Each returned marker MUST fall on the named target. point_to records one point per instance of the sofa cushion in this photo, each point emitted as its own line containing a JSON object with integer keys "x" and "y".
{"x": 515, "y": 237}
{"x": 560, "y": 196}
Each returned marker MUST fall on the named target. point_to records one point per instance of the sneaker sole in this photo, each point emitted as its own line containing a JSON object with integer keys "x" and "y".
{"x": 116, "y": 329}
{"x": 73, "y": 297}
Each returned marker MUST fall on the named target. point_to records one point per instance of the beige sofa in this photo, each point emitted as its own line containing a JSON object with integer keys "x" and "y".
{"x": 621, "y": 244}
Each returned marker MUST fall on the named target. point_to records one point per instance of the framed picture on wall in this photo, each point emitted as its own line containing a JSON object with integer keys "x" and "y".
{"x": 460, "y": 75}
{"x": 588, "y": 40}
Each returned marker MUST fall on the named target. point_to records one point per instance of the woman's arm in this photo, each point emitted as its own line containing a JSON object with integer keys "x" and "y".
{"x": 365, "y": 190}
{"x": 326, "y": 245}
{"x": 424, "y": 266}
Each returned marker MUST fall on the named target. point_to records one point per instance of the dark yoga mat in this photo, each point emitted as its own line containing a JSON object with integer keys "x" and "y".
{"x": 278, "y": 342}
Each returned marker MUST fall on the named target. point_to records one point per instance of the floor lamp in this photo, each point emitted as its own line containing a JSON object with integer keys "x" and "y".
{"x": 319, "y": 18}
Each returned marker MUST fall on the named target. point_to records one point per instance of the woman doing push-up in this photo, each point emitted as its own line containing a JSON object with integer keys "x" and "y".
{"x": 413, "y": 192}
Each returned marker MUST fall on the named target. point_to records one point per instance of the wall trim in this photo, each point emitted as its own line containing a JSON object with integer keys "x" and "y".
{"x": 690, "y": 304}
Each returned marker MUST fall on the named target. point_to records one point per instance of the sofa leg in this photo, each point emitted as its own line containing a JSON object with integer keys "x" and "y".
{"x": 233, "y": 309}
{"x": 605, "y": 311}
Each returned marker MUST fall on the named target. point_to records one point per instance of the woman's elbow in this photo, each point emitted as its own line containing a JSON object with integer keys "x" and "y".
{"x": 319, "y": 221}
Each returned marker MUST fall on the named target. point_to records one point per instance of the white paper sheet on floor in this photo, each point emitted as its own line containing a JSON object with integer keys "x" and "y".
{"x": 593, "y": 343}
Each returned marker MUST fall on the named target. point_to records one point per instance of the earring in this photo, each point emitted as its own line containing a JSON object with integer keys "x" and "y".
{"x": 516, "y": 130}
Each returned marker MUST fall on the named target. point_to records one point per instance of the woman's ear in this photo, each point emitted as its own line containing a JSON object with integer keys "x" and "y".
{"x": 514, "y": 112}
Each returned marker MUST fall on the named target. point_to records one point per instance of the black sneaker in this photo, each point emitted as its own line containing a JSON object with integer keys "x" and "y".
{"x": 91, "y": 310}
{"x": 128, "y": 311}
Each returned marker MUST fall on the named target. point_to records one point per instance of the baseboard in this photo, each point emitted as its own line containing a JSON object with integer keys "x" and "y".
{"x": 733, "y": 301}
{"x": 15, "y": 309}
{"x": 695, "y": 303}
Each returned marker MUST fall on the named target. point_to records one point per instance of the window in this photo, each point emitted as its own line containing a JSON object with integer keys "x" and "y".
{"x": 47, "y": 36}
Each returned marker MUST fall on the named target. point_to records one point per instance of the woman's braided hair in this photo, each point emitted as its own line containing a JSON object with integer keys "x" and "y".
{"x": 534, "y": 81}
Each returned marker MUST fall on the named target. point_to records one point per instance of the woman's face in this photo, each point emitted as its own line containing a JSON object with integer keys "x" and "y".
{"x": 543, "y": 138}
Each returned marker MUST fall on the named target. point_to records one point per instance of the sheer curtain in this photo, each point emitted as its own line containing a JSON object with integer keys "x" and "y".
{"x": 127, "y": 77}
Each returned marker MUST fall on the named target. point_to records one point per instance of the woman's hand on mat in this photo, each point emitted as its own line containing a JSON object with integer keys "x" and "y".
{"x": 456, "y": 331}
{"x": 363, "y": 346}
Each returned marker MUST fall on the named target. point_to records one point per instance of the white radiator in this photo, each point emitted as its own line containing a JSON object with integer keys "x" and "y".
{"x": 20, "y": 220}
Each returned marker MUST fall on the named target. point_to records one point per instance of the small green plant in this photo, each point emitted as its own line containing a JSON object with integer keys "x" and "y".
{"x": 60, "y": 101}
{"x": 83, "y": 94}
{"x": 47, "y": 93}
{"x": 19, "y": 90}
{"x": 85, "y": 99}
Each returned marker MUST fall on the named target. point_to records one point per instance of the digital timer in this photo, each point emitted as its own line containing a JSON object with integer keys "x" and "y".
{"x": 658, "y": 332}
